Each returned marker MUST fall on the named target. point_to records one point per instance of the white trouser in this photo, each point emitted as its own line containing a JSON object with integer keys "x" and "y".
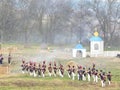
{"x": 43, "y": 74}
{"x": 109, "y": 82}
{"x": 93, "y": 77}
{"x": 89, "y": 77}
{"x": 102, "y": 83}
{"x": 31, "y": 73}
{"x": 50, "y": 74}
{"x": 73, "y": 76}
{"x": 60, "y": 73}
{"x": 69, "y": 75}
{"x": 96, "y": 78}
{"x": 38, "y": 75}
{"x": 84, "y": 78}
{"x": 34, "y": 74}
{"x": 54, "y": 74}
{"x": 78, "y": 76}
{"x": 23, "y": 71}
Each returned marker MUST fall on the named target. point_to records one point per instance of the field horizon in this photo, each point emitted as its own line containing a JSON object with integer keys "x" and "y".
{"x": 15, "y": 80}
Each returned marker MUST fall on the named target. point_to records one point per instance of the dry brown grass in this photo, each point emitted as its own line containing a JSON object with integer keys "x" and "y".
{"x": 4, "y": 70}
{"x": 15, "y": 81}
{"x": 26, "y": 83}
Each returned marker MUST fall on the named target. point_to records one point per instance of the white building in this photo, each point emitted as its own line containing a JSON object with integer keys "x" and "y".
{"x": 96, "y": 45}
{"x": 79, "y": 49}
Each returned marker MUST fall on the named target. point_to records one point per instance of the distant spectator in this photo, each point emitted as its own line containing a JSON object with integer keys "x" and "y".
{"x": 1, "y": 59}
{"x": 9, "y": 59}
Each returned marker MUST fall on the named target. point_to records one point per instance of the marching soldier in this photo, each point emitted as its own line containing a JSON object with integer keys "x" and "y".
{"x": 93, "y": 72}
{"x": 27, "y": 67}
{"x": 84, "y": 74}
{"x": 34, "y": 69}
{"x": 43, "y": 69}
{"x": 39, "y": 70}
{"x": 101, "y": 77}
{"x": 80, "y": 72}
{"x": 73, "y": 73}
{"x": 31, "y": 68}
{"x": 69, "y": 71}
{"x": 61, "y": 70}
{"x": 109, "y": 77}
{"x": 50, "y": 69}
{"x": 104, "y": 79}
{"x": 55, "y": 69}
{"x": 89, "y": 74}
{"x": 96, "y": 76}
{"x": 23, "y": 66}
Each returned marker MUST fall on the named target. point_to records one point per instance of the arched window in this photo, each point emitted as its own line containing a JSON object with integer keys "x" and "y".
{"x": 79, "y": 53}
{"x": 96, "y": 46}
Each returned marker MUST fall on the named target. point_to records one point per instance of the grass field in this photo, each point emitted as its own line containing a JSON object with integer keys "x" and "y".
{"x": 17, "y": 81}
{"x": 25, "y": 82}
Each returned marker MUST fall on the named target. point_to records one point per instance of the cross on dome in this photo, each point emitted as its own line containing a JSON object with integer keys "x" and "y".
{"x": 96, "y": 33}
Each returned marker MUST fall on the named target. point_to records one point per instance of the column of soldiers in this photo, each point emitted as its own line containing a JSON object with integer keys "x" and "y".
{"x": 53, "y": 70}
{"x": 91, "y": 73}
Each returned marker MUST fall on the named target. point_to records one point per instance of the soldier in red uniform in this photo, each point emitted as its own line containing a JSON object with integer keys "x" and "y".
{"x": 43, "y": 69}
{"x": 84, "y": 74}
{"x": 93, "y": 72}
{"x": 101, "y": 77}
{"x": 55, "y": 69}
{"x": 31, "y": 68}
{"x": 104, "y": 79}
{"x": 96, "y": 76}
{"x": 39, "y": 70}
{"x": 89, "y": 72}
{"x": 73, "y": 73}
{"x": 61, "y": 70}
{"x": 80, "y": 72}
{"x": 27, "y": 67}
{"x": 23, "y": 66}
{"x": 69, "y": 71}
{"x": 50, "y": 69}
{"x": 109, "y": 77}
{"x": 34, "y": 69}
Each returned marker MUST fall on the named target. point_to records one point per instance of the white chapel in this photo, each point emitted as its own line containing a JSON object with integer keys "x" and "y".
{"x": 96, "y": 45}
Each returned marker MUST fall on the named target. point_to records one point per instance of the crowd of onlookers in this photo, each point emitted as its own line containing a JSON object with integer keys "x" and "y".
{"x": 52, "y": 69}
{"x": 2, "y": 58}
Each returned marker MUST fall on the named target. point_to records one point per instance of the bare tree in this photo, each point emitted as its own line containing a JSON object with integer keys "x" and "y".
{"x": 106, "y": 12}
{"x": 47, "y": 21}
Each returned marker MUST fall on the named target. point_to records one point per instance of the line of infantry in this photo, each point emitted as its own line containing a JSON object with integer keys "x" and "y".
{"x": 81, "y": 72}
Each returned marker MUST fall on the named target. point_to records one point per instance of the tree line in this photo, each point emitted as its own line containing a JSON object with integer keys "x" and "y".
{"x": 59, "y": 21}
